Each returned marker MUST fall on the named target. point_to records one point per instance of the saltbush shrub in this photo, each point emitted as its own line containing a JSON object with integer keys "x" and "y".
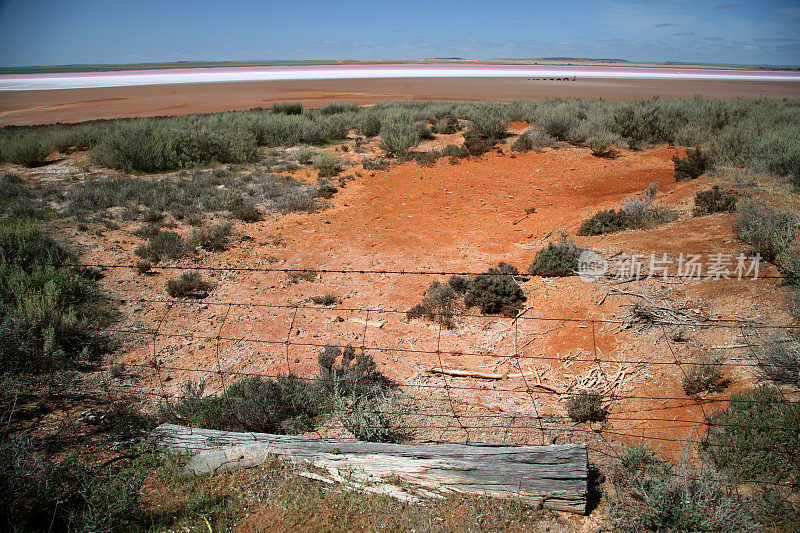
{"x": 327, "y": 164}
{"x": 556, "y": 260}
{"x": 586, "y": 406}
{"x": 399, "y": 136}
{"x": 287, "y": 108}
{"x": 779, "y": 358}
{"x": 163, "y": 244}
{"x": 602, "y": 144}
{"x": 305, "y": 155}
{"x": 369, "y": 125}
{"x": 439, "y": 305}
{"x": 213, "y": 238}
{"x": 703, "y": 376}
{"x": 496, "y": 291}
{"x": 715, "y": 200}
{"x": 691, "y": 166}
{"x": 534, "y": 139}
{"x": 188, "y": 285}
{"x": 25, "y": 149}
{"x": 769, "y": 231}
{"x": 50, "y": 312}
{"x": 446, "y": 126}
{"x": 756, "y": 436}
{"x": 652, "y": 495}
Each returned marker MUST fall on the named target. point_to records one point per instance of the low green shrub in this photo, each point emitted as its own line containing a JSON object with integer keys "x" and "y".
{"x": 715, "y": 200}
{"x": 326, "y": 191}
{"x": 247, "y": 212}
{"x": 25, "y": 149}
{"x": 556, "y": 260}
{"x": 188, "y": 285}
{"x": 398, "y": 136}
{"x": 212, "y": 238}
{"x": 439, "y": 304}
{"x": 691, "y": 166}
{"x": 51, "y": 314}
{"x": 779, "y": 359}
{"x": 305, "y": 155}
{"x": 73, "y": 493}
{"x": 377, "y": 163}
{"x": 454, "y": 152}
{"x": 327, "y": 164}
{"x": 496, "y": 291}
{"x": 586, "y": 406}
{"x": 652, "y": 495}
{"x": 602, "y": 144}
{"x": 425, "y": 159}
{"x": 756, "y": 437}
{"x": 326, "y": 299}
{"x": 446, "y": 126}
{"x": 478, "y": 145}
{"x": 703, "y": 376}
{"x": 637, "y": 212}
{"x": 534, "y": 139}
{"x": 163, "y": 244}
{"x": 334, "y": 108}
{"x": 769, "y": 231}
{"x": 369, "y": 125}
{"x": 640, "y": 123}
{"x": 287, "y": 108}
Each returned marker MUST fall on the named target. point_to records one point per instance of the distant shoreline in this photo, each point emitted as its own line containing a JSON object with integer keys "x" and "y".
{"x": 53, "y": 69}
{"x": 135, "y": 78}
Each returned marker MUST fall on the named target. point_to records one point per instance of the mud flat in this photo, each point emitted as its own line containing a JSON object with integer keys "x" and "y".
{"x": 25, "y": 107}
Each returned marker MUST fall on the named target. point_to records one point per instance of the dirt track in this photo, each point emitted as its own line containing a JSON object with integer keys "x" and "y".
{"x": 75, "y": 105}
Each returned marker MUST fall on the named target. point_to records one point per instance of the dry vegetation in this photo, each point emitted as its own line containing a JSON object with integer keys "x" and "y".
{"x": 184, "y": 206}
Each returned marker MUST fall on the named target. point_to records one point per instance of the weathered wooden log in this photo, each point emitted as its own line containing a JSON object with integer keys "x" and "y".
{"x": 554, "y": 477}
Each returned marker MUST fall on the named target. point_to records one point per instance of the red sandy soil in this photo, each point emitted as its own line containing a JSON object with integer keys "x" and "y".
{"x": 75, "y": 105}
{"x": 462, "y": 217}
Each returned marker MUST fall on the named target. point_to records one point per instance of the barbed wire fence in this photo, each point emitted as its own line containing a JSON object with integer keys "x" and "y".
{"x": 453, "y": 414}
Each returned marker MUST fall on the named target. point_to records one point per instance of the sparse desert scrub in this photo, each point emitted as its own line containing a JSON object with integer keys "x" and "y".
{"x": 25, "y": 149}
{"x": 326, "y": 299}
{"x": 602, "y": 144}
{"x": 715, "y": 200}
{"x": 338, "y": 107}
{"x": 188, "y": 285}
{"x": 489, "y": 121}
{"x": 151, "y": 145}
{"x": 691, "y": 166}
{"x": 641, "y": 123}
{"x": 369, "y": 125}
{"x": 446, "y": 125}
{"x": 305, "y": 155}
{"x": 779, "y": 359}
{"x": 374, "y": 163}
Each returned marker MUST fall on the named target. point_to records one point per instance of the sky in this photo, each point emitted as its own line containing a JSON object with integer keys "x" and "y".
{"x": 60, "y": 32}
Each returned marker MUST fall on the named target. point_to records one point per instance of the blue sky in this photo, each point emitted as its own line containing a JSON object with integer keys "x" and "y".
{"x": 89, "y": 31}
